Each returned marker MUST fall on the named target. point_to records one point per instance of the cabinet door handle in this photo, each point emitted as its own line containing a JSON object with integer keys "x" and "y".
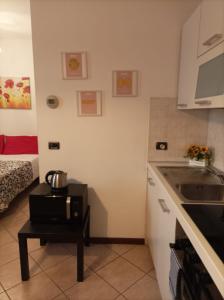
{"x": 68, "y": 208}
{"x": 150, "y": 181}
{"x": 164, "y": 206}
{"x": 203, "y": 102}
{"x": 182, "y": 105}
{"x": 213, "y": 39}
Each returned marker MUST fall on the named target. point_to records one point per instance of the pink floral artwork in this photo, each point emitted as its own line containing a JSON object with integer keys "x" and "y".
{"x": 74, "y": 65}
{"x": 89, "y": 103}
{"x": 125, "y": 83}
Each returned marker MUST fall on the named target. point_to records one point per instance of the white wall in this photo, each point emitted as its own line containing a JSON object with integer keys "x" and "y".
{"x": 16, "y": 60}
{"x": 109, "y": 152}
{"x": 216, "y": 136}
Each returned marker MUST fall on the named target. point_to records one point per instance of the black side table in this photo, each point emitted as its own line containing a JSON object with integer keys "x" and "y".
{"x": 54, "y": 232}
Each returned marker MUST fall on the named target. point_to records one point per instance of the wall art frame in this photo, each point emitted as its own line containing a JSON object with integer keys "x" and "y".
{"x": 89, "y": 103}
{"x": 125, "y": 83}
{"x": 74, "y": 65}
{"x": 15, "y": 93}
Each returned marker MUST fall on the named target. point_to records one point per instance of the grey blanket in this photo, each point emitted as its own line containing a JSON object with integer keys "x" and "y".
{"x": 15, "y": 176}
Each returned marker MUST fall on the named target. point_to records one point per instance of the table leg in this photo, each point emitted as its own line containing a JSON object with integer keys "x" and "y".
{"x": 80, "y": 259}
{"x": 87, "y": 237}
{"x": 24, "y": 261}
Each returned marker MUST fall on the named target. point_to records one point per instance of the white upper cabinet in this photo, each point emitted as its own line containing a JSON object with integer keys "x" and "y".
{"x": 188, "y": 62}
{"x": 210, "y": 79}
{"x": 201, "y": 76}
{"x": 211, "y": 25}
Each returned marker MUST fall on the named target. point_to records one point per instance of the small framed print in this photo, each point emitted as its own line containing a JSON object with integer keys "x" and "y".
{"x": 125, "y": 83}
{"x": 89, "y": 103}
{"x": 74, "y": 65}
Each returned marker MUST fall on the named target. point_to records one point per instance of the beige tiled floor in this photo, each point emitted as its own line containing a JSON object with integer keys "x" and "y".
{"x": 121, "y": 272}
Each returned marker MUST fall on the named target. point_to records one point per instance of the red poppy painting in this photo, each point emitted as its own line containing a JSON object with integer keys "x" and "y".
{"x": 15, "y": 93}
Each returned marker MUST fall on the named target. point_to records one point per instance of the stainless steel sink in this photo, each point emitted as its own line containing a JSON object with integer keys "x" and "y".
{"x": 194, "y": 184}
{"x": 201, "y": 192}
{"x": 187, "y": 174}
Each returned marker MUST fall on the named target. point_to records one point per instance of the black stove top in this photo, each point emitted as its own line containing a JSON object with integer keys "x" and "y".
{"x": 209, "y": 218}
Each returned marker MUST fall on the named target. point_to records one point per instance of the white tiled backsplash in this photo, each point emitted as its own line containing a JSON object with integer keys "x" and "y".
{"x": 177, "y": 127}
{"x": 216, "y": 136}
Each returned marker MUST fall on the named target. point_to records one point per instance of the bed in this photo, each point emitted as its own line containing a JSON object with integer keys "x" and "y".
{"x": 17, "y": 172}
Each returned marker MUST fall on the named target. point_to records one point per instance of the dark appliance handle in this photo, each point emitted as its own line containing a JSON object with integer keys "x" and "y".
{"x": 50, "y": 173}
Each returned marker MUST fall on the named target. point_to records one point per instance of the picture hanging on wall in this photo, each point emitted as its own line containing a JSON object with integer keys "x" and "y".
{"x": 125, "y": 83}
{"x": 74, "y": 65}
{"x": 15, "y": 93}
{"x": 89, "y": 103}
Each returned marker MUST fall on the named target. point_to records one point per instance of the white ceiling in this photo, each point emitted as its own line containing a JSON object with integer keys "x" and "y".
{"x": 15, "y": 18}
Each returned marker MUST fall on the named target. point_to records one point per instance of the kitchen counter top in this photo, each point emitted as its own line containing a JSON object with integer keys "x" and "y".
{"x": 208, "y": 256}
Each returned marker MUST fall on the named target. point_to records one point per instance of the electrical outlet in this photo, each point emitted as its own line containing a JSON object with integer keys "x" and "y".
{"x": 161, "y": 146}
{"x": 54, "y": 145}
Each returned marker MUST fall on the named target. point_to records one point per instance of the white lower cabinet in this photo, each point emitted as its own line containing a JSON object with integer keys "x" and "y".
{"x": 161, "y": 223}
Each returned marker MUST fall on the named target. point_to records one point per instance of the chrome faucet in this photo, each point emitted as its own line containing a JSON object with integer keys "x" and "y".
{"x": 216, "y": 172}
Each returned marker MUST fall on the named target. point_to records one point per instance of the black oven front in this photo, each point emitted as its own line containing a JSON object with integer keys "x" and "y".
{"x": 192, "y": 281}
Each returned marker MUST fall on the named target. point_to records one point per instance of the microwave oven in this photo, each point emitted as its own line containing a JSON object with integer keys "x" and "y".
{"x": 66, "y": 206}
{"x": 210, "y": 78}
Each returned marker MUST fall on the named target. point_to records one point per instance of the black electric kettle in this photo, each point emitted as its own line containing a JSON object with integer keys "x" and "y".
{"x": 56, "y": 179}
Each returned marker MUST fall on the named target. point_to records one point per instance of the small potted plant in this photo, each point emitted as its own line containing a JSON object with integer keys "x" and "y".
{"x": 199, "y": 155}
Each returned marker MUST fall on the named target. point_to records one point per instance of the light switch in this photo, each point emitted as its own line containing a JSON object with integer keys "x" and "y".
{"x": 54, "y": 145}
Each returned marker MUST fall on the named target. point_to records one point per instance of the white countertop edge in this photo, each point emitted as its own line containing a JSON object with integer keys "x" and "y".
{"x": 208, "y": 256}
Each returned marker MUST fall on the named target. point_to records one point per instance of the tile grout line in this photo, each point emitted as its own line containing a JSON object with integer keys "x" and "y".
{"x": 120, "y": 254}
{"x": 1, "y": 284}
{"x": 68, "y": 254}
{"x": 42, "y": 271}
{"x": 138, "y": 266}
{"x": 54, "y": 284}
{"x": 134, "y": 283}
{"x": 6, "y": 228}
{"x": 63, "y": 291}
{"x": 151, "y": 276}
{"x": 60, "y": 295}
{"x": 22, "y": 282}
{"x": 121, "y": 293}
{"x": 8, "y": 295}
{"x": 11, "y": 259}
{"x": 98, "y": 269}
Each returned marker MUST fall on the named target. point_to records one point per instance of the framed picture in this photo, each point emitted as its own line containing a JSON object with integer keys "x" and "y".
{"x": 74, "y": 65}
{"x": 15, "y": 92}
{"x": 89, "y": 103}
{"x": 125, "y": 83}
